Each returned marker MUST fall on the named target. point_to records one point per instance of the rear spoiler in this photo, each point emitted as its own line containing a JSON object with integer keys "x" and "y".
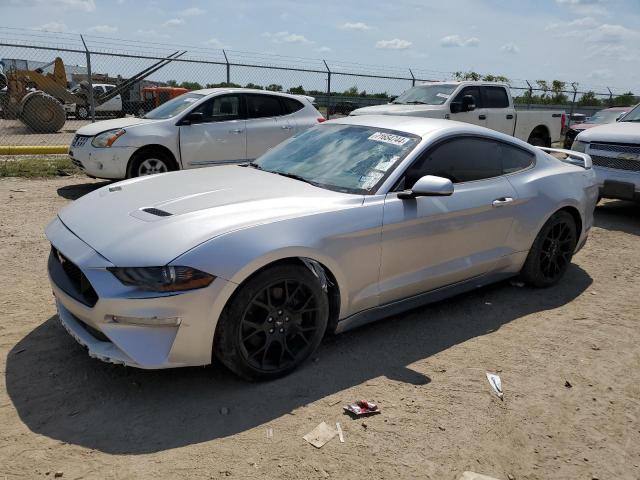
{"x": 574, "y": 158}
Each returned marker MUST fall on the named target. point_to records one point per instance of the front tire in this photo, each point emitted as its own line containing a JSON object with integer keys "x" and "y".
{"x": 273, "y": 323}
{"x": 551, "y": 252}
{"x": 83, "y": 112}
{"x": 150, "y": 162}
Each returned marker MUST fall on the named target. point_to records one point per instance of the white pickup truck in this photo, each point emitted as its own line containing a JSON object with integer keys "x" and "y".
{"x": 487, "y": 104}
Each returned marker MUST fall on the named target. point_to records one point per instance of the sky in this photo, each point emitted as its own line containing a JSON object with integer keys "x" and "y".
{"x": 592, "y": 42}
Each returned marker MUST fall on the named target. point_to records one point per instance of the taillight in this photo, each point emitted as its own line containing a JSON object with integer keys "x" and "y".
{"x": 321, "y": 119}
{"x": 563, "y": 122}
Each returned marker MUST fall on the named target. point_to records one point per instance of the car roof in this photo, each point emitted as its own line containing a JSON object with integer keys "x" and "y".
{"x": 210, "y": 91}
{"x": 425, "y": 127}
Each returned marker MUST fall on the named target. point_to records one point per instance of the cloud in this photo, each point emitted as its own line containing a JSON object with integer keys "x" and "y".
{"x": 215, "y": 43}
{"x": 395, "y": 44}
{"x": 601, "y": 75}
{"x": 103, "y": 29}
{"x": 192, "y": 12}
{"x": 151, "y": 34}
{"x": 323, "y": 50}
{"x": 355, "y": 26}
{"x": 458, "y": 41}
{"x": 511, "y": 48}
{"x": 286, "y": 37}
{"x": 55, "y": 27}
{"x": 174, "y": 22}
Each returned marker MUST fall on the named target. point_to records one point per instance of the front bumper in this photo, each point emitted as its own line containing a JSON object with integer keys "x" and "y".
{"x": 110, "y": 163}
{"x": 620, "y": 184}
{"x": 149, "y": 347}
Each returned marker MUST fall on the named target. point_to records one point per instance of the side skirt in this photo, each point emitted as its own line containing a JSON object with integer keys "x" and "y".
{"x": 394, "y": 308}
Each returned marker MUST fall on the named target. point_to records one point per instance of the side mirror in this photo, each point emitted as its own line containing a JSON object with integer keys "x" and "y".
{"x": 468, "y": 103}
{"x": 192, "y": 118}
{"x": 391, "y": 99}
{"x": 456, "y": 107}
{"x": 429, "y": 186}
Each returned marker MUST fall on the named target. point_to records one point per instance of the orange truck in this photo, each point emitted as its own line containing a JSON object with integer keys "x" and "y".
{"x": 152, "y": 97}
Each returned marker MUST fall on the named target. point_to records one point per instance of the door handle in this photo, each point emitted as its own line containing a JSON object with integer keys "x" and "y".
{"x": 509, "y": 117}
{"x": 236, "y": 131}
{"x": 499, "y": 202}
{"x": 482, "y": 117}
{"x": 286, "y": 127}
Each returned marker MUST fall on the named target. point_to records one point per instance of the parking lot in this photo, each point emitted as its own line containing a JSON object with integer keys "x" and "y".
{"x": 567, "y": 356}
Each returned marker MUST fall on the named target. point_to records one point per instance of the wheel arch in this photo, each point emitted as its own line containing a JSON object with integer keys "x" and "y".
{"x": 575, "y": 213}
{"x": 541, "y": 131}
{"x": 333, "y": 282}
{"x": 152, "y": 147}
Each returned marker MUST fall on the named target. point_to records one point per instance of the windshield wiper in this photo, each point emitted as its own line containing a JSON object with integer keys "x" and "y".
{"x": 252, "y": 165}
{"x": 294, "y": 176}
{"x": 634, "y": 120}
{"x": 416, "y": 102}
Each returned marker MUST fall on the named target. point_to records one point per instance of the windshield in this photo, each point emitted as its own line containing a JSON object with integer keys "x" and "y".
{"x": 435, "y": 94}
{"x": 632, "y": 116}
{"x": 605, "y": 116}
{"x": 345, "y": 158}
{"x": 174, "y": 107}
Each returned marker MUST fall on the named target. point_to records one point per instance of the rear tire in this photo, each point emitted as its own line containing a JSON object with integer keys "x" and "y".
{"x": 82, "y": 112}
{"x": 43, "y": 114}
{"x": 551, "y": 252}
{"x": 273, "y": 323}
{"x": 150, "y": 162}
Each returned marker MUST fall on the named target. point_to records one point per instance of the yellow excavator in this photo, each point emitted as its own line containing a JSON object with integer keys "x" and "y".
{"x": 37, "y": 98}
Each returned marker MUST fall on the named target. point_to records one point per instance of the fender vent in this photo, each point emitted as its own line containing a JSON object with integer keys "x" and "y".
{"x": 157, "y": 212}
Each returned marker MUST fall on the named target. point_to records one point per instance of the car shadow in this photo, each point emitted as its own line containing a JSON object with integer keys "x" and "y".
{"x": 73, "y": 192}
{"x": 59, "y": 392}
{"x": 618, "y": 215}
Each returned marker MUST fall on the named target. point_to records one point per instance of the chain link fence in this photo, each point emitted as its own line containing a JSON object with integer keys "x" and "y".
{"x": 98, "y": 78}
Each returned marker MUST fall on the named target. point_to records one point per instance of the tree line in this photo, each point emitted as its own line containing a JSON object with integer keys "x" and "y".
{"x": 545, "y": 92}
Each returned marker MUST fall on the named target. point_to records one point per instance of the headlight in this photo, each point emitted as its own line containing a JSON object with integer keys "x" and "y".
{"x": 162, "y": 279}
{"x": 579, "y": 146}
{"x": 106, "y": 139}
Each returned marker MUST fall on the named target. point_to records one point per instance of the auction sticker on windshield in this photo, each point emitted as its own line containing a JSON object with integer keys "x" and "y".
{"x": 389, "y": 138}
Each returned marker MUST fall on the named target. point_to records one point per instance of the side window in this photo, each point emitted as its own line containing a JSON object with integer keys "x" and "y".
{"x": 110, "y": 88}
{"x": 495, "y": 97}
{"x": 459, "y": 160}
{"x": 220, "y": 109}
{"x": 98, "y": 91}
{"x": 291, "y": 105}
{"x": 260, "y": 106}
{"x": 474, "y": 92}
{"x": 514, "y": 159}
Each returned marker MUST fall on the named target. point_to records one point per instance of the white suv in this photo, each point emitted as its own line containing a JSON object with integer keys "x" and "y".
{"x": 615, "y": 151}
{"x": 204, "y": 127}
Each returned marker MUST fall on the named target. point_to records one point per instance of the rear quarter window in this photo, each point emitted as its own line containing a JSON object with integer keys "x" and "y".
{"x": 515, "y": 159}
{"x": 495, "y": 97}
{"x": 291, "y": 105}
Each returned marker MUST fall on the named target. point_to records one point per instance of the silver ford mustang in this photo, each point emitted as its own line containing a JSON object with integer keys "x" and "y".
{"x": 346, "y": 223}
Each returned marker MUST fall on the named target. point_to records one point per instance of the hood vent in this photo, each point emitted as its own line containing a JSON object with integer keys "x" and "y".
{"x": 157, "y": 212}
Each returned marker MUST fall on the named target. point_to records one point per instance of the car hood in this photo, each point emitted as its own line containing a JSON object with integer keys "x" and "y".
{"x": 104, "y": 125}
{"x": 390, "y": 109}
{"x": 623, "y": 132}
{"x": 579, "y": 127}
{"x": 188, "y": 208}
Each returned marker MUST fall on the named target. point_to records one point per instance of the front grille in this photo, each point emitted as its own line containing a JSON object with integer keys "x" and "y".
{"x": 70, "y": 278}
{"x": 617, "y": 163}
{"x": 615, "y": 147}
{"x": 80, "y": 140}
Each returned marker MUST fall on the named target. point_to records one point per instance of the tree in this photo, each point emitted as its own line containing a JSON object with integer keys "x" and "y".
{"x": 254, "y": 86}
{"x": 299, "y": 90}
{"x": 495, "y": 78}
{"x": 274, "y": 87}
{"x": 589, "y": 99}
{"x": 557, "y": 88}
{"x": 351, "y": 92}
{"x": 624, "y": 100}
{"x": 223, "y": 85}
{"x": 172, "y": 83}
{"x": 191, "y": 85}
{"x": 544, "y": 86}
{"x": 474, "y": 76}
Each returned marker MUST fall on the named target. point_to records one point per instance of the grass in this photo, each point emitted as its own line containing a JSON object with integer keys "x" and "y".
{"x": 34, "y": 167}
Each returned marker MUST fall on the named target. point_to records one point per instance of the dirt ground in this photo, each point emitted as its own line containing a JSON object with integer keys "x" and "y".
{"x": 61, "y": 411}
